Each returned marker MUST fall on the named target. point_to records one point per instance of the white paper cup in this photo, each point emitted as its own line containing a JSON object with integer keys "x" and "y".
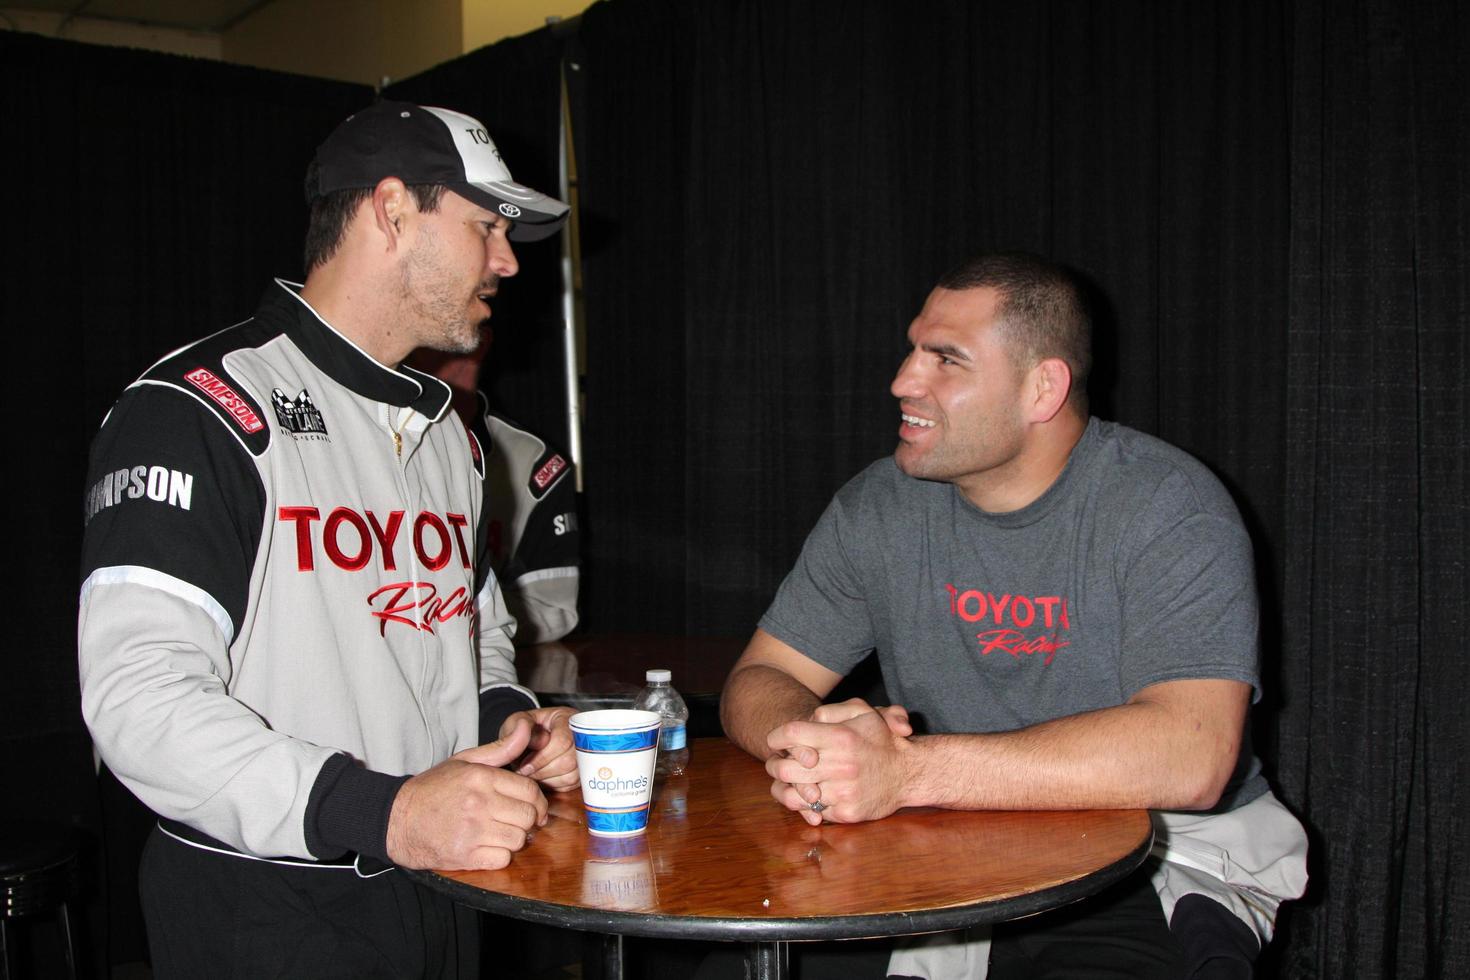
{"x": 616, "y": 750}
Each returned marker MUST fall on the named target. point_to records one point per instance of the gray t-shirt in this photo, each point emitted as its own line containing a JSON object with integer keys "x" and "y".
{"x": 1131, "y": 569}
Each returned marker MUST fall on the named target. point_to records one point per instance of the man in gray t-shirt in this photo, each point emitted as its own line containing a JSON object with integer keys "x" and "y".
{"x": 1065, "y": 607}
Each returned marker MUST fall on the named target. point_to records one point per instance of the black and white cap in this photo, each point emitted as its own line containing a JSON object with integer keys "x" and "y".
{"x": 427, "y": 145}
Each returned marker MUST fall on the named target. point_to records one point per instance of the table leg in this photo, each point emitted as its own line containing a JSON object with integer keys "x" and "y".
{"x": 767, "y": 961}
{"x": 612, "y": 958}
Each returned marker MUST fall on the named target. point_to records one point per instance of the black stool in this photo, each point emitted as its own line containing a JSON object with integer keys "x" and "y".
{"x": 38, "y": 876}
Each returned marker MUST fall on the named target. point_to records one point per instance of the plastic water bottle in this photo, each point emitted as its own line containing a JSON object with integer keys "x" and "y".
{"x": 661, "y": 698}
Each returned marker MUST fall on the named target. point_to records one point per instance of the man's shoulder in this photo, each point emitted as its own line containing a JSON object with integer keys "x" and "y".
{"x": 524, "y": 455}
{"x": 196, "y": 379}
{"x": 1129, "y": 465}
{"x": 514, "y": 437}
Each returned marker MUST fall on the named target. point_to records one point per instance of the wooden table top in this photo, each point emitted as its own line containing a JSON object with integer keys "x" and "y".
{"x": 613, "y": 663}
{"x": 722, "y": 860}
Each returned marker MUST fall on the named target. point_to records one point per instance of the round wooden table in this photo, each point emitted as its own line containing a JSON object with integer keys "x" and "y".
{"x": 721, "y": 860}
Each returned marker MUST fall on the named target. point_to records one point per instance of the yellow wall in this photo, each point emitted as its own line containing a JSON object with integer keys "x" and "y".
{"x": 349, "y": 40}
{"x": 113, "y": 33}
{"x": 369, "y": 41}
{"x": 488, "y": 21}
{"x": 365, "y": 41}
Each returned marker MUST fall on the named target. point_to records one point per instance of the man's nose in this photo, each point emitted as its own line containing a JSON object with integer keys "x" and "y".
{"x": 502, "y": 258}
{"x": 906, "y": 383}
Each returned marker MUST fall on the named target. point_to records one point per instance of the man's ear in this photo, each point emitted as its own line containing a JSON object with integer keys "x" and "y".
{"x": 390, "y": 209}
{"x": 1050, "y": 383}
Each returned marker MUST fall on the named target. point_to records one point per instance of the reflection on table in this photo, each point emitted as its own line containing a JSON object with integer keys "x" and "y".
{"x": 722, "y": 860}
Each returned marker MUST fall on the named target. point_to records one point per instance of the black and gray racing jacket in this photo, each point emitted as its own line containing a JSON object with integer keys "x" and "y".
{"x": 281, "y": 617}
{"x": 534, "y": 537}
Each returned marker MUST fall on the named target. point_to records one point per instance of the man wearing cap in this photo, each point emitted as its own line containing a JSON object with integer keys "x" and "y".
{"x": 290, "y": 646}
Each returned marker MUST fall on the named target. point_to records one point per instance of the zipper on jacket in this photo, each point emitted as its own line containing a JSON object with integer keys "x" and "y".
{"x": 398, "y": 432}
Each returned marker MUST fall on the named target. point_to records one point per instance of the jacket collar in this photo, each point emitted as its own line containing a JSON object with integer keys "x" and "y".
{"x": 345, "y": 362}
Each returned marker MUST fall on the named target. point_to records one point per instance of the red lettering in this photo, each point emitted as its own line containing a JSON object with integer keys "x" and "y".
{"x": 386, "y": 538}
{"x": 459, "y": 522}
{"x": 338, "y": 517}
{"x": 441, "y": 558}
{"x": 997, "y": 640}
{"x": 393, "y": 610}
{"x": 228, "y": 398}
{"x": 303, "y": 516}
{"x": 972, "y": 606}
{"x": 998, "y": 606}
{"x": 433, "y": 555}
{"x": 1015, "y": 643}
{"x": 443, "y": 610}
{"x": 1016, "y": 611}
{"x": 548, "y": 472}
{"x": 1047, "y": 603}
{"x": 418, "y": 605}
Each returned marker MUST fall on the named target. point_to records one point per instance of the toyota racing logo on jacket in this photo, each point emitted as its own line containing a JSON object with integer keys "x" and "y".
{"x": 352, "y": 541}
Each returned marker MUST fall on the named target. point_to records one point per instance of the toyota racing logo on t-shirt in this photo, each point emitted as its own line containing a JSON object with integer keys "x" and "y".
{"x": 1024, "y": 626}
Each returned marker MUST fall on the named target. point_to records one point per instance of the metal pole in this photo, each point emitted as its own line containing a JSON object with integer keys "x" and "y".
{"x": 612, "y": 957}
{"x": 571, "y": 369}
{"x": 767, "y": 961}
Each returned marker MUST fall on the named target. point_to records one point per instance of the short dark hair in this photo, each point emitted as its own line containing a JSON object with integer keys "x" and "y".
{"x": 331, "y": 213}
{"x": 1042, "y": 312}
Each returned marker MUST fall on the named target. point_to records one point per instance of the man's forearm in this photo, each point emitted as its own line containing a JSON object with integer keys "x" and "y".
{"x": 758, "y": 699}
{"x": 1141, "y": 754}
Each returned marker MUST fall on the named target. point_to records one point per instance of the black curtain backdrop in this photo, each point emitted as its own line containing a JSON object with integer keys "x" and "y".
{"x": 1271, "y": 201}
{"x": 1373, "y": 729}
{"x": 1268, "y": 198}
{"x": 152, "y": 198}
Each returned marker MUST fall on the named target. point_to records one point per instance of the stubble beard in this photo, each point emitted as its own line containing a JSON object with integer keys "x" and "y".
{"x": 992, "y": 446}
{"x": 436, "y": 300}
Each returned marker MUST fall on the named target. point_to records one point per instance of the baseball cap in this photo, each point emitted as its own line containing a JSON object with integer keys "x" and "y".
{"x": 427, "y": 145}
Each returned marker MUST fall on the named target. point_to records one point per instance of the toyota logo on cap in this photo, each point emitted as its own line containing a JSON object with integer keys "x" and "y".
{"x": 510, "y": 210}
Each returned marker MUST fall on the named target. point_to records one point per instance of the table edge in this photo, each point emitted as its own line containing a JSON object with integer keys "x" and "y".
{"x": 796, "y": 929}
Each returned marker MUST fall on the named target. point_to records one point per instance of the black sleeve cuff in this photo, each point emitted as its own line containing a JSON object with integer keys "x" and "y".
{"x": 348, "y": 810}
{"x": 496, "y": 705}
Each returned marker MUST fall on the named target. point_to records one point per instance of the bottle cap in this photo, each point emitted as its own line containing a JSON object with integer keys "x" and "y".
{"x": 660, "y": 676}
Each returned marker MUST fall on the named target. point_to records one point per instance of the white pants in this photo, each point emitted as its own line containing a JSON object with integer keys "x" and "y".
{"x": 1250, "y": 860}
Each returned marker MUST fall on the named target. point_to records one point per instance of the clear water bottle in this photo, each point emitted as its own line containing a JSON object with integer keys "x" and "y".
{"x": 660, "y": 697}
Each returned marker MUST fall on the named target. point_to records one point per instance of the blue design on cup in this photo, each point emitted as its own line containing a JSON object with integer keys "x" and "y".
{"x": 617, "y": 822}
{"x": 615, "y": 741}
